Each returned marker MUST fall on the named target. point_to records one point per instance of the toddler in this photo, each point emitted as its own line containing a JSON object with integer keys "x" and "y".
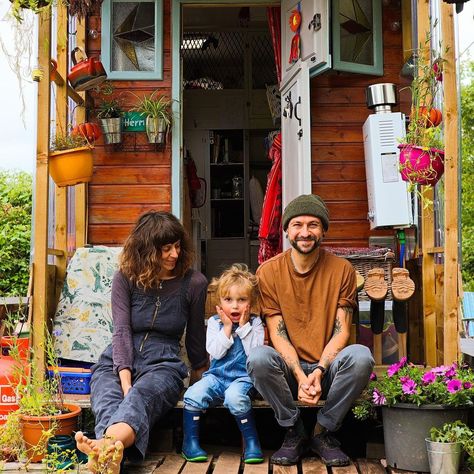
{"x": 231, "y": 335}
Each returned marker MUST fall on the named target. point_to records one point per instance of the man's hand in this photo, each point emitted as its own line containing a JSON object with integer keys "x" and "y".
{"x": 245, "y": 317}
{"x": 314, "y": 379}
{"x": 196, "y": 374}
{"x": 306, "y": 391}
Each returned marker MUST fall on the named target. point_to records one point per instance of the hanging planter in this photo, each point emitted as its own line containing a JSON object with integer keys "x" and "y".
{"x": 156, "y": 129}
{"x": 33, "y": 428}
{"x": 112, "y": 128}
{"x": 421, "y": 165}
{"x": 70, "y": 167}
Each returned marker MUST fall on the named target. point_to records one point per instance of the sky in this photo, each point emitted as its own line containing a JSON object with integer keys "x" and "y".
{"x": 18, "y": 135}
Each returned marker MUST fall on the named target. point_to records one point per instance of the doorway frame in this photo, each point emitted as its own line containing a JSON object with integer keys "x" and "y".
{"x": 177, "y": 167}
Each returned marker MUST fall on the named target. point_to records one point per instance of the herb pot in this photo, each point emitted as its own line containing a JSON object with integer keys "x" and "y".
{"x": 33, "y": 427}
{"x": 444, "y": 458}
{"x": 70, "y": 167}
{"x": 112, "y": 128}
{"x": 156, "y": 129}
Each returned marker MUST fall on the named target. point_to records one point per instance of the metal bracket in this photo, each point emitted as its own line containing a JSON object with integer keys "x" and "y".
{"x": 288, "y": 110}
{"x": 315, "y": 23}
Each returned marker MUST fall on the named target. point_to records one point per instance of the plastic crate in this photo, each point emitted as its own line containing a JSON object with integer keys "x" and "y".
{"x": 74, "y": 381}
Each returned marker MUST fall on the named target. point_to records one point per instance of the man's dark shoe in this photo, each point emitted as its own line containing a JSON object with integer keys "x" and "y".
{"x": 293, "y": 447}
{"x": 327, "y": 447}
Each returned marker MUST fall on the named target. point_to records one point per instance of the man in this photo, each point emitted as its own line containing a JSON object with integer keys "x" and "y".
{"x": 307, "y": 297}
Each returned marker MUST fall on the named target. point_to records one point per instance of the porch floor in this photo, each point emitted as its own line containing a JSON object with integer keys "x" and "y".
{"x": 229, "y": 462}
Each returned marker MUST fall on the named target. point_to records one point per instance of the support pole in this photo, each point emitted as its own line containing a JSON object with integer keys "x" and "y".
{"x": 40, "y": 259}
{"x": 451, "y": 184}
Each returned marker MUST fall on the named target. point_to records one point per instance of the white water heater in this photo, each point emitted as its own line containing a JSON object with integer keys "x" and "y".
{"x": 389, "y": 200}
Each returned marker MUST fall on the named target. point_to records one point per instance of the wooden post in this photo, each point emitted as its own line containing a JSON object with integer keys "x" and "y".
{"x": 41, "y": 194}
{"x": 427, "y": 223}
{"x": 60, "y": 234}
{"x": 451, "y": 187}
{"x": 81, "y": 189}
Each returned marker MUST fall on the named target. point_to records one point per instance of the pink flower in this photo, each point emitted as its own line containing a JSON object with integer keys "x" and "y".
{"x": 454, "y": 385}
{"x": 441, "y": 370}
{"x": 451, "y": 372}
{"x": 404, "y": 379}
{"x": 409, "y": 387}
{"x": 467, "y": 385}
{"x": 402, "y": 362}
{"x": 378, "y": 398}
{"x": 373, "y": 376}
{"x": 428, "y": 378}
{"x": 393, "y": 369}
{"x": 437, "y": 71}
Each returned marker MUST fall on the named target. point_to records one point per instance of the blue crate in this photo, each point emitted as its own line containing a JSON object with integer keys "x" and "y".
{"x": 74, "y": 382}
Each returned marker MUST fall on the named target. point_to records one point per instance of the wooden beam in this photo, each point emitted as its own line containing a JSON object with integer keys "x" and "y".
{"x": 61, "y": 194}
{"x": 40, "y": 274}
{"x": 451, "y": 186}
{"x": 427, "y": 222}
{"x": 81, "y": 189}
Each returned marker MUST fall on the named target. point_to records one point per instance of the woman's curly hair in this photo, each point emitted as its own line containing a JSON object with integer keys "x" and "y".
{"x": 236, "y": 274}
{"x": 140, "y": 260}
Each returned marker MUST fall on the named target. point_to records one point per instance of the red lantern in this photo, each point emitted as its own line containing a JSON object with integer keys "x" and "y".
{"x": 295, "y": 20}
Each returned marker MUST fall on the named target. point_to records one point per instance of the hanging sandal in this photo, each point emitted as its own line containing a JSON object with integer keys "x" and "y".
{"x": 375, "y": 285}
{"x": 359, "y": 281}
{"x": 403, "y": 286}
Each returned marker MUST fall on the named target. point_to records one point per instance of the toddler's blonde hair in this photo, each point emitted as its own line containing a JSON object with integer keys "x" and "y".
{"x": 236, "y": 274}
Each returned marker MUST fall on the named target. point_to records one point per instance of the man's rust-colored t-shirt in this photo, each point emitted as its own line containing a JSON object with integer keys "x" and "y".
{"x": 307, "y": 301}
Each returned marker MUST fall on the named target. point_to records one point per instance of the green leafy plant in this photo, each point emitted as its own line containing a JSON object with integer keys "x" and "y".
{"x": 451, "y": 385}
{"x": 68, "y": 142}
{"x": 15, "y": 231}
{"x": 36, "y": 6}
{"x": 108, "y": 106}
{"x": 456, "y": 432}
{"x": 155, "y": 107}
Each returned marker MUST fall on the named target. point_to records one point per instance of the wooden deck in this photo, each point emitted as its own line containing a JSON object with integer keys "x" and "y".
{"x": 229, "y": 463}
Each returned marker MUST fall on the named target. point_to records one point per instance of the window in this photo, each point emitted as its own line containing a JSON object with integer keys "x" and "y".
{"x": 132, "y": 39}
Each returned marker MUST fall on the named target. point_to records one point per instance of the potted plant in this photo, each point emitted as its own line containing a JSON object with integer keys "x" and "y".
{"x": 70, "y": 159}
{"x": 445, "y": 446}
{"x": 157, "y": 110}
{"x": 422, "y": 149}
{"x": 109, "y": 112}
{"x": 41, "y": 411}
{"x": 36, "y": 6}
{"x": 414, "y": 399}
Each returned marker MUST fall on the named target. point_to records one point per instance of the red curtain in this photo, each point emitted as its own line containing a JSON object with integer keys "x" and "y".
{"x": 274, "y": 24}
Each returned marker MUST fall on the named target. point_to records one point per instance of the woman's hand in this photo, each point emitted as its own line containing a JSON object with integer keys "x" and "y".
{"x": 125, "y": 376}
{"x": 245, "y": 317}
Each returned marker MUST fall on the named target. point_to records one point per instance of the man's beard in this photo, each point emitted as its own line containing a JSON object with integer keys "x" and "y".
{"x": 317, "y": 243}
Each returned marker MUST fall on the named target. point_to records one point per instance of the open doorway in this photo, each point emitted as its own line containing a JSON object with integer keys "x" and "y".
{"x": 228, "y": 64}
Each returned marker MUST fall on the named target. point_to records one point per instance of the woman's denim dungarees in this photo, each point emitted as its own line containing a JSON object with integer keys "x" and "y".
{"x": 157, "y": 325}
{"x": 225, "y": 382}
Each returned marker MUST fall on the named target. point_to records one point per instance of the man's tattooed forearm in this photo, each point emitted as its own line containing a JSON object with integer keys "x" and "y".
{"x": 348, "y": 311}
{"x": 281, "y": 330}
{"x": 337, "y": 327}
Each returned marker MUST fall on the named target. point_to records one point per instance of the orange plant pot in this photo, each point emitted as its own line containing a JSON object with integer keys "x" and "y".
{"x": 70, "y": 167}
{"x": 33, "y": 426}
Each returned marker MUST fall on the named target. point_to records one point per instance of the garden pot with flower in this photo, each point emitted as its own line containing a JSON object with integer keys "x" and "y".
{"x": 421, "y": 159}
{"x": 413, "y": 400}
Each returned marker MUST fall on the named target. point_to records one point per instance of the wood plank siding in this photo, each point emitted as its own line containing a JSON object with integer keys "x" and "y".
{"x": 128, "y": 182}
{"x": 338, "y": 112}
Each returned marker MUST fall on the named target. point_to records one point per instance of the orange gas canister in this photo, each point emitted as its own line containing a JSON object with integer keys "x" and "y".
{"x": 8, "y": 400}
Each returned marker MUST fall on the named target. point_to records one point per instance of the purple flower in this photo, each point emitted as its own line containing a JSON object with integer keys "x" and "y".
{"x": 57, "y": 332}
{"x": 402, "y": 362}
{"x": 441, "y": 370}
{"x": 393, "y": 369}
{"x": 467, "y": 385}
{"x": 454, "y": 385}
{"x": 451, "y": 372}
{"x": 428, "y": 378}
{"x": 373, "y": 376}
{"x": 378, "y": 398}
{"x": 409, "y": 387}
{"x": 404, "y": 379}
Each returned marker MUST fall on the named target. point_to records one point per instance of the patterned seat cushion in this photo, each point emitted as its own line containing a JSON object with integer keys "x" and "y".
{"x": 83, "y": 319}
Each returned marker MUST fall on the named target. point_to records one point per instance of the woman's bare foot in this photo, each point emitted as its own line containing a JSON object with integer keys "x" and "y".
{"x": 83, "y": 443}
{"x": 106, "y": 458}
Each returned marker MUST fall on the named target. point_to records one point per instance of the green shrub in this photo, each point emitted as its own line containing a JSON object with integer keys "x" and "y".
{"x": 15, "y": 231}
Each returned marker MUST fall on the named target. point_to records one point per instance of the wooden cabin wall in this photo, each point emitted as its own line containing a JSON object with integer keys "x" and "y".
{"x": 127, "y": 183}
{"x": 338, "y": 112}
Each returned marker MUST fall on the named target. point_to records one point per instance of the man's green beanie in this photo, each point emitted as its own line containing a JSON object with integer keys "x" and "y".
{"x": 306, "y": 205}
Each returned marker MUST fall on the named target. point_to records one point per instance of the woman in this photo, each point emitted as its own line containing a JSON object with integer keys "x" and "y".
{"x": 138, "y": 378}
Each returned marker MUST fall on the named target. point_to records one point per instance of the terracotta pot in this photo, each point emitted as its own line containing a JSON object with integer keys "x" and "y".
{"x": 419, "y": 165}
{"x": 69, "y": 167}
{"x": 33, "y": 426}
